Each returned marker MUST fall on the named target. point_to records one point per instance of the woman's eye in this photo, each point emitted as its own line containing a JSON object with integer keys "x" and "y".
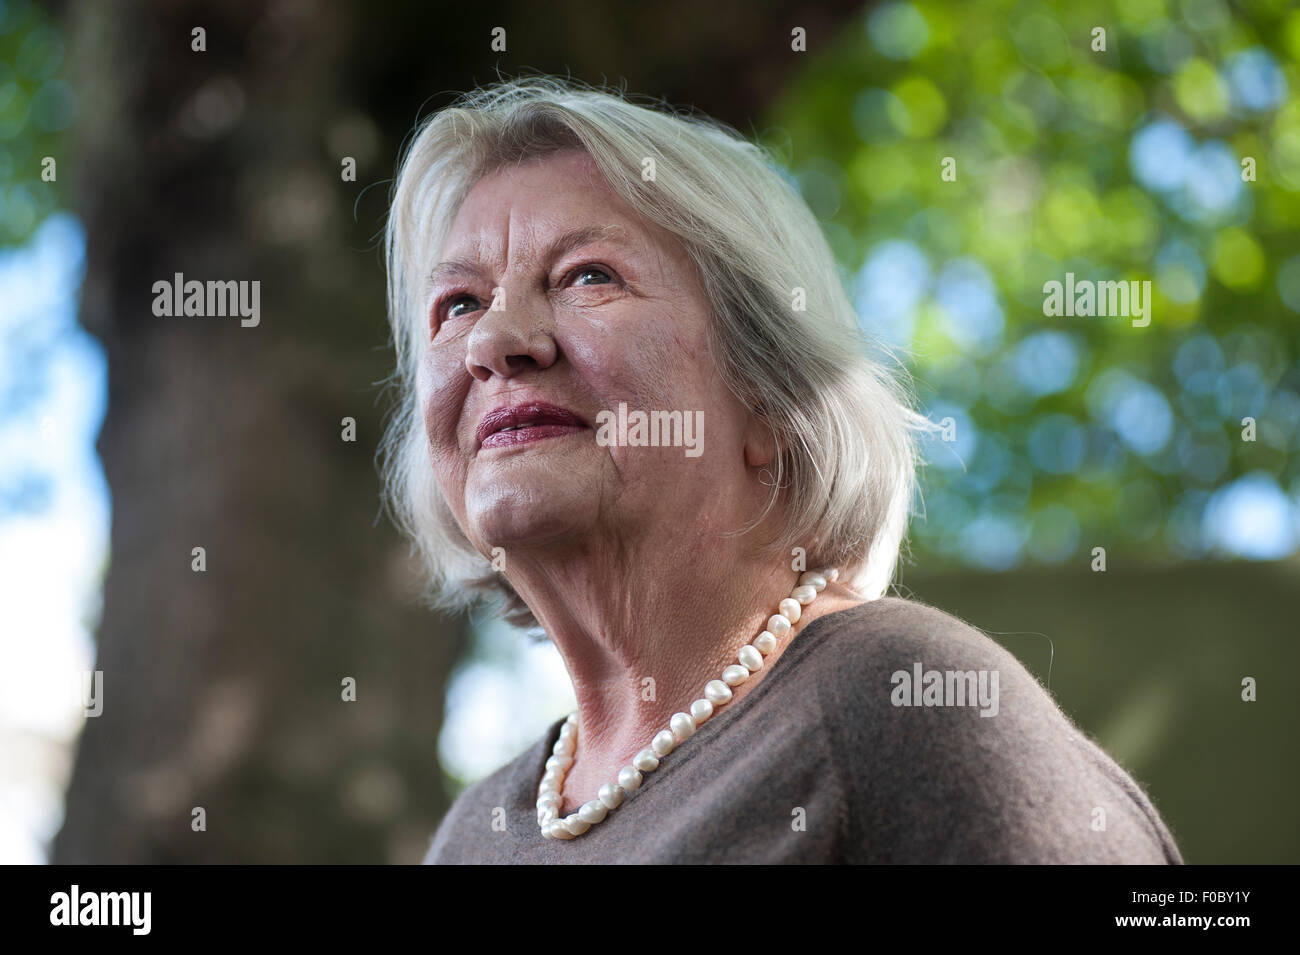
{"x": 601, "y": 276}
{"x": 454, "y": 303}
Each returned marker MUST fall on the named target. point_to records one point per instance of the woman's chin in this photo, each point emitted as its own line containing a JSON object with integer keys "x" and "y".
{"x": 529, "y": 515}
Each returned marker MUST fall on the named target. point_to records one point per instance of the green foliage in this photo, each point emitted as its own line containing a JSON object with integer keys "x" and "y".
{"x": 36, "y": 106}
{"x": 1123, "y": 163}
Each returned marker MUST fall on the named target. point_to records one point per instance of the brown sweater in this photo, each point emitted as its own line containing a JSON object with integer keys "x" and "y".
{"x": 823, "y": 763}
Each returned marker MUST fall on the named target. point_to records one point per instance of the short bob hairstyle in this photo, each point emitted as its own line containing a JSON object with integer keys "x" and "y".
{"x": 785, "y": 338}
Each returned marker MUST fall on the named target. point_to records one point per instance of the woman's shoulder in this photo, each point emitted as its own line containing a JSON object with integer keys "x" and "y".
{"x": 884, "y": 658}
{"x": 964, "y": 752}
{"x": 481, "y": 804}
{"x": 891, "y": 628}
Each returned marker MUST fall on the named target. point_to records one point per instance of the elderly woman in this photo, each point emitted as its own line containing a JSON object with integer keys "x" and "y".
{"x": 637, "y": 407}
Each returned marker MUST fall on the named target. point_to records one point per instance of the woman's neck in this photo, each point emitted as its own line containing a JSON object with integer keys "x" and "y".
{"x": 640, "y": 639}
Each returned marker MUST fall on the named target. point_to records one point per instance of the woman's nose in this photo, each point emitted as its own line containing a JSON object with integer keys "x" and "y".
{"x": 514, "y": 335}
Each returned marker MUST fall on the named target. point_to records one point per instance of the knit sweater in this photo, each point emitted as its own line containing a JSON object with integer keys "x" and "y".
{"x": 851, "y": 750}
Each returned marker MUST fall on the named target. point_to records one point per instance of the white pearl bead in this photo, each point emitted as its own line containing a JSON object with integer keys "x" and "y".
{"x": 682, "y": 726}
{"x": 663, "y": 743}
{"x": 546, "y": 815}
{"x": 765, "y": 643}
{"x": 629, "y": 778}
{"x": 750, "y": 658}
{"x": 548, "y": 798}
{"x": 701, "y": 710}
{"x": 735, "y": 675}
{"x": 646, "y": 761}
{"x": 563, "y": 748}
{"x": 778, "y": 625}
{"x": 560, "y": 763}
{"x": 812, "y": 579}
{"x": 552, "y": 779}
{"x": 804, "y": 595}
{"x": 610, "y": 795}
{"x": 791, "y": 609}
{"x": 832, "y": 574}
{"x": 560, "y": 830}
{"x": 593, "y": 812}
{"x": 717, "y": 692}
{"x": 575, "y": 825}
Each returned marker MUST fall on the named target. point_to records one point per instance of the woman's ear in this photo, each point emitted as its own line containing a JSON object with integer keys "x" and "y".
{"x": 760, "y": 443}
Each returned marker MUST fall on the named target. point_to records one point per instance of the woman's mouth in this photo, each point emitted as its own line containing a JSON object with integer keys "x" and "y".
{"x": 521, "y": 424}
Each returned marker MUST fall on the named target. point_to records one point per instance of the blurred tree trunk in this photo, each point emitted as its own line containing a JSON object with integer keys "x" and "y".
{"x": 222, "y": 688}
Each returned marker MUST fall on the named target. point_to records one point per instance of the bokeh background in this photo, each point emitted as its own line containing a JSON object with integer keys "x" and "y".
{"x": 126, "y": 440}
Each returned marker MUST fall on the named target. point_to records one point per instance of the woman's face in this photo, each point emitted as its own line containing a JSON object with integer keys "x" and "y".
{"x": 594, "y": 307}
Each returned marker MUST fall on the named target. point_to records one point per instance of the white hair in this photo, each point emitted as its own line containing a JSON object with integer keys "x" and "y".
{"x": 843, "y": 425}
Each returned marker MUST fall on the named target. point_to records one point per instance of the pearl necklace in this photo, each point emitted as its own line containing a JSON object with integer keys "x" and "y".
{"x": 716, "y": 693}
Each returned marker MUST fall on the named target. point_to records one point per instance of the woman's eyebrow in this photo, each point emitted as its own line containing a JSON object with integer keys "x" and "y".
{"x": 577, "y": 238}
{"x": 561, "y": 245}
{"x": 455, "y": 267}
